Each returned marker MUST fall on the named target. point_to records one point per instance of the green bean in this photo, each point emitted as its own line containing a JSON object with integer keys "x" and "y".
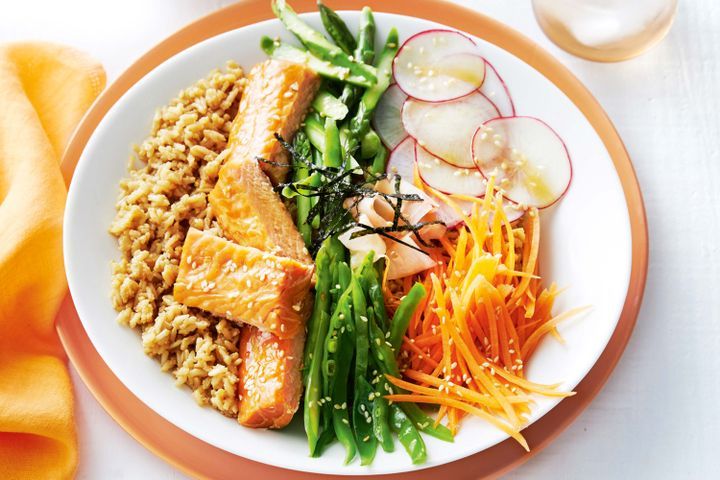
{"x": 408, "y": 434}
{"x": 378, "y": 301}
{"x": 360, "y": 123}
{"x": 365, "y": 52}
{"x": 317, "y": 330}
{"x": 362, "y": 339}
{"x": 365, "y": 438}
{"x": 321, "y": 304}
{"x": 336, "y": 28}
{"x": 424, "y": 423}
{"x": 380, "y": 407}
{"x": 328, "y": 105}
{"x": 343, "y": 329}
{"x": 404, "y": 314}
{"x": 364, "y": 395}
{"x": 315, "y": 131}
{"x": 332, "y": 156}
{"x": 320, "y": 46}
{"x": 344, "y": 276}
{"x": 385, "y": 358}
{"x": 371, "y": 283}
{"x": 370, "y": 145}
{"x": 283, "y": 51}
{"x": 326, "y": 437}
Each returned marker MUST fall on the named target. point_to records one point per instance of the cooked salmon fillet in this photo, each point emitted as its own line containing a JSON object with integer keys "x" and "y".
{"x": 252, "y": 214}
{"x": 275, "y": 100}
{"x": 270, "y": 378}
{"x": 244, "y": 284}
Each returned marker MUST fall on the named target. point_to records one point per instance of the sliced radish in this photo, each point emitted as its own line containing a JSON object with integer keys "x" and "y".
{"x": 387, "y": 120}
{"x": 446, "y": 128}
{"x": 402, "y": 160}
{"x": 447, "y": 178}
{"x": 532, "y": 166}
{"x": 435, "y": 65}
{"x": 495, "y": 89}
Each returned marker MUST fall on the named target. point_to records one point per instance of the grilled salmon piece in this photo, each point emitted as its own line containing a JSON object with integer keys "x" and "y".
{"x": 244, "y": 284}
{"x": 275, "y": 100}
{"x": 252, "y": 214}
{"x": 270, "y": 378}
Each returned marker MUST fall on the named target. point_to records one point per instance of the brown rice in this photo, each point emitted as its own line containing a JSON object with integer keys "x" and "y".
{"x": 170, "y": 176}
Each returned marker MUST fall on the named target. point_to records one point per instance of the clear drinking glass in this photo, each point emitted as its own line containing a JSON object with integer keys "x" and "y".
{"x": 605, "y": 30}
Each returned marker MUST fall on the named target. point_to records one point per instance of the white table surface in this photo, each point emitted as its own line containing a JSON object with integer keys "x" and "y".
{"x": 657, "y": 416}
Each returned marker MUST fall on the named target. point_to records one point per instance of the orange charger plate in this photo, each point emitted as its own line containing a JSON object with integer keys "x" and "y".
{"x": 202, "y": 460}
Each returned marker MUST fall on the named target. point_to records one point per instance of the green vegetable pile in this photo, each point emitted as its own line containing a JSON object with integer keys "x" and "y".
{"x": 338, "y": 127}
{"x": 352, "y": 343}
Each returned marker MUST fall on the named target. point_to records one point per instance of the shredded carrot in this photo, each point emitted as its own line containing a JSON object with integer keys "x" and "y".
{"x": 486, "y": 312}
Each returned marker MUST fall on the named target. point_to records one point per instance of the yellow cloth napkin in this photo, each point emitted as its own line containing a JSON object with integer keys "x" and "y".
{"x": 44, "y": 91}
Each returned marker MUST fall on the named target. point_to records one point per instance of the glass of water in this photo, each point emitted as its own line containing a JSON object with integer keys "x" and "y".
{"x": 605, "y": 30}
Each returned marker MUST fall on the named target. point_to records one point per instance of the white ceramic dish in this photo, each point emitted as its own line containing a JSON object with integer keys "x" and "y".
{"x": 586, "y": 246}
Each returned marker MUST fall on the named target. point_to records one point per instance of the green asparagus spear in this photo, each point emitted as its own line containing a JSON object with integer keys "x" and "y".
{"x": 364, "y": 52}
{"x": 360, "y": 123}
{"x": 283, "y": 51}
{"x": 328, "y": 105}
{"x": 315, "y": 130}
{"x": 320, "y": 46}
{"x": 379, "y": 163}
{"x": 336, "y": 28}
{"x": 403, "y": 314}
{"x": 316, "y": 181}
{"x": 302, "y": 203}
{"x": 332, "y": 155}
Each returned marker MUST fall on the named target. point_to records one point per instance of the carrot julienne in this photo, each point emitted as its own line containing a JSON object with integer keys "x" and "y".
{"x": 467, "y": 345}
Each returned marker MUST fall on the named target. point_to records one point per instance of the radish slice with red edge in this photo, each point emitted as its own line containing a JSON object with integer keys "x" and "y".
{"x": 496, "y": 90}
{"x": 447, "y": 178}
{"x": 532, "y": 167}
{"x": 402, "y": 160}
{"x": 445, "y": 129}
{"x": 387, "y": 120}
{"x": 436, "y": 65}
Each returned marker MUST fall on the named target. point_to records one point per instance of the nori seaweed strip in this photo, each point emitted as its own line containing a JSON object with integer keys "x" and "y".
{"x": 334, "y": 217}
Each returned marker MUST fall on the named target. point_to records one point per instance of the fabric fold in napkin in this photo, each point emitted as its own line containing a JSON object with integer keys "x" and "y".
{"x": 44, "y": 91}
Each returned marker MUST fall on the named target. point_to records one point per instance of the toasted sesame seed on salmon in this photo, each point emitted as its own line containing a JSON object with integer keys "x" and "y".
{"x": 244, "y": 284}
{"x": 275, "y": 100}
{"x": 270, "y": 378}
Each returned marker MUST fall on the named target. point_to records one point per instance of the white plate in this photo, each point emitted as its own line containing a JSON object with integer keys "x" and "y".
{"x": 586, "y": 246}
